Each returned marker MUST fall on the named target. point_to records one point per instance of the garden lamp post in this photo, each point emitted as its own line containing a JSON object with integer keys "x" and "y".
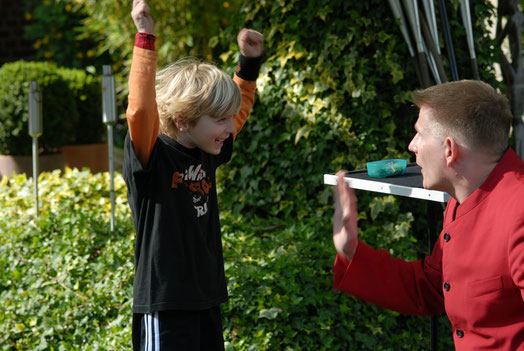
{"x": 35, "y": 130}
{"x": 109, "y": 119}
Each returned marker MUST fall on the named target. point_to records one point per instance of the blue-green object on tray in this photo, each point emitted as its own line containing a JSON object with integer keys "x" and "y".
{"x": 386, "y": 168}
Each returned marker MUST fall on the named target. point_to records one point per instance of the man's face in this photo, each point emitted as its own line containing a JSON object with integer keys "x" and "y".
{"x": 429, "y": 148}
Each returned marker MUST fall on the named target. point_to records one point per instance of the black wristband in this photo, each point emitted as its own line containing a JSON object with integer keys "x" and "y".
{"x": 248, "y": 67}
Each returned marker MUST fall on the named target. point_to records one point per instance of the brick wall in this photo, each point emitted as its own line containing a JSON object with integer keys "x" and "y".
{"x": 13, "y": 46}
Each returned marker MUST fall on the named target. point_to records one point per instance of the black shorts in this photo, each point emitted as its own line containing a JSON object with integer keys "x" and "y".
{"x": 178, "y": 330}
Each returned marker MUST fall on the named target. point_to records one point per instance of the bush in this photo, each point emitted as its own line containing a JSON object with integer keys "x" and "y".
{"x": 87, "y": 91}
{"x": 71, "y": 106}
{"x": 55, "y": 27}
{"x": 280, "y": 284}
{"x": 66, "y": 280}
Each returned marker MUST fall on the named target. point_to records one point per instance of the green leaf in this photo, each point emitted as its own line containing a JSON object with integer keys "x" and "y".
{"x": 303, "y": 132}
{"x": 271, "y": 313}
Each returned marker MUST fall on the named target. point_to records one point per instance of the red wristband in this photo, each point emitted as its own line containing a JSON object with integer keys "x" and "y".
{"x": 145, "y": 41}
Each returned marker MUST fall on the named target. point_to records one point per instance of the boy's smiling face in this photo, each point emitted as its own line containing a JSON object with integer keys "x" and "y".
{"x": 208, "y": 134}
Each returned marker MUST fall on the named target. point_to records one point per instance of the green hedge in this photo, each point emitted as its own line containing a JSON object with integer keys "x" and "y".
{"x": 66, "y": 280}
{"x": 72, "y": 112}
{"x": 280, "y": 284}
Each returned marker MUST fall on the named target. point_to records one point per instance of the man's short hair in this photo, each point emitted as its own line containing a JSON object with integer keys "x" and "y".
{"x": 189, "y": 89}
{"x": 471, "y": 111}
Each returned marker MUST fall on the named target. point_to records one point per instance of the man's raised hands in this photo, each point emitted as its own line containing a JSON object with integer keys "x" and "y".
{"x": 345, "y": 228}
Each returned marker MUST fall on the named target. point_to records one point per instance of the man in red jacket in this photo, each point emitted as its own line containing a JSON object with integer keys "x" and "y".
{"x": 476, "y": 270}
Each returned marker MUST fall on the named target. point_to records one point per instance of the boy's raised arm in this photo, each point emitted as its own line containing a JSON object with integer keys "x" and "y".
{"x": 250, "y": 45}
{"x": 250, "y": 42}
{"x": 142, "y": 113}
{"x": 140, "y": 14}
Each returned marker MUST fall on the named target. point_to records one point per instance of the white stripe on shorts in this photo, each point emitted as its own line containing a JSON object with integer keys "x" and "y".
{"x": 152, "y": 338}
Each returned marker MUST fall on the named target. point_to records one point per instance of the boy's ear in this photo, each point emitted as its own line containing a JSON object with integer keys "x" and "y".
{"x": 181, "y": 124}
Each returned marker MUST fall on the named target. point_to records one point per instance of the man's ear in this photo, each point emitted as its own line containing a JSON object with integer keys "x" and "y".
{"x": 452, "y": 150}
{"x": 180, "y": 124}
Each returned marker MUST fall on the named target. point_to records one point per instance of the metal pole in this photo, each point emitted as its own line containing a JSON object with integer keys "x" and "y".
{"x": 411, "y": 7}
{"x": 35, "y": 130}
{"x": 396, "y": 7}
{"x": 111, "y": 173}
{"x": 109, "y": 119}
{"x": 436, "y": 65}
{"x": 433, "y": 211}
{"x": 432, "y": 65}
{"x": 429, "y": 9}
{"x": 466, "y": 18}
{"x": 447, "y": 39}
{"x": 35, "y": 175}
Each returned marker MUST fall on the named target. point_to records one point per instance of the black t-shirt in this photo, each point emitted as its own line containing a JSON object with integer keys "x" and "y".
{"x": 178, "y": 251}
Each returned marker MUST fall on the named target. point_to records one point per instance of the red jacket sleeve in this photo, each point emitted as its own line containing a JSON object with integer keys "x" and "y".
{"x": 406, "y": 287}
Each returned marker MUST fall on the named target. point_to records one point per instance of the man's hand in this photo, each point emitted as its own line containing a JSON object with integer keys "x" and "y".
{"x": 345, "y": 228}
{"x": 140, "y": 14}
{"x": 250, "y": 42}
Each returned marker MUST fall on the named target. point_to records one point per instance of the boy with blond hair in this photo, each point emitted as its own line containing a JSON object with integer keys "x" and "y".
{"x": 182, "y": 123}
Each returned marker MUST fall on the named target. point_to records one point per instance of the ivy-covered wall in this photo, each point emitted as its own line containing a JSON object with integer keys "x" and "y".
{"x": 334, "y": 93}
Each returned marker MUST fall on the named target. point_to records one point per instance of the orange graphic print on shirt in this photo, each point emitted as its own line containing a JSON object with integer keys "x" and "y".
{"x": 194, "y": 178}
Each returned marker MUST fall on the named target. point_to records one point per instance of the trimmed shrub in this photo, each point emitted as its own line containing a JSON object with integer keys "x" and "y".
{"x": 87, "y": 91}
{"x": 71, "y": 106}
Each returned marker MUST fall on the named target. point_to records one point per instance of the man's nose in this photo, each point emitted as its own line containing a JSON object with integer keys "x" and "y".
{"x": 412, "y": 147}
